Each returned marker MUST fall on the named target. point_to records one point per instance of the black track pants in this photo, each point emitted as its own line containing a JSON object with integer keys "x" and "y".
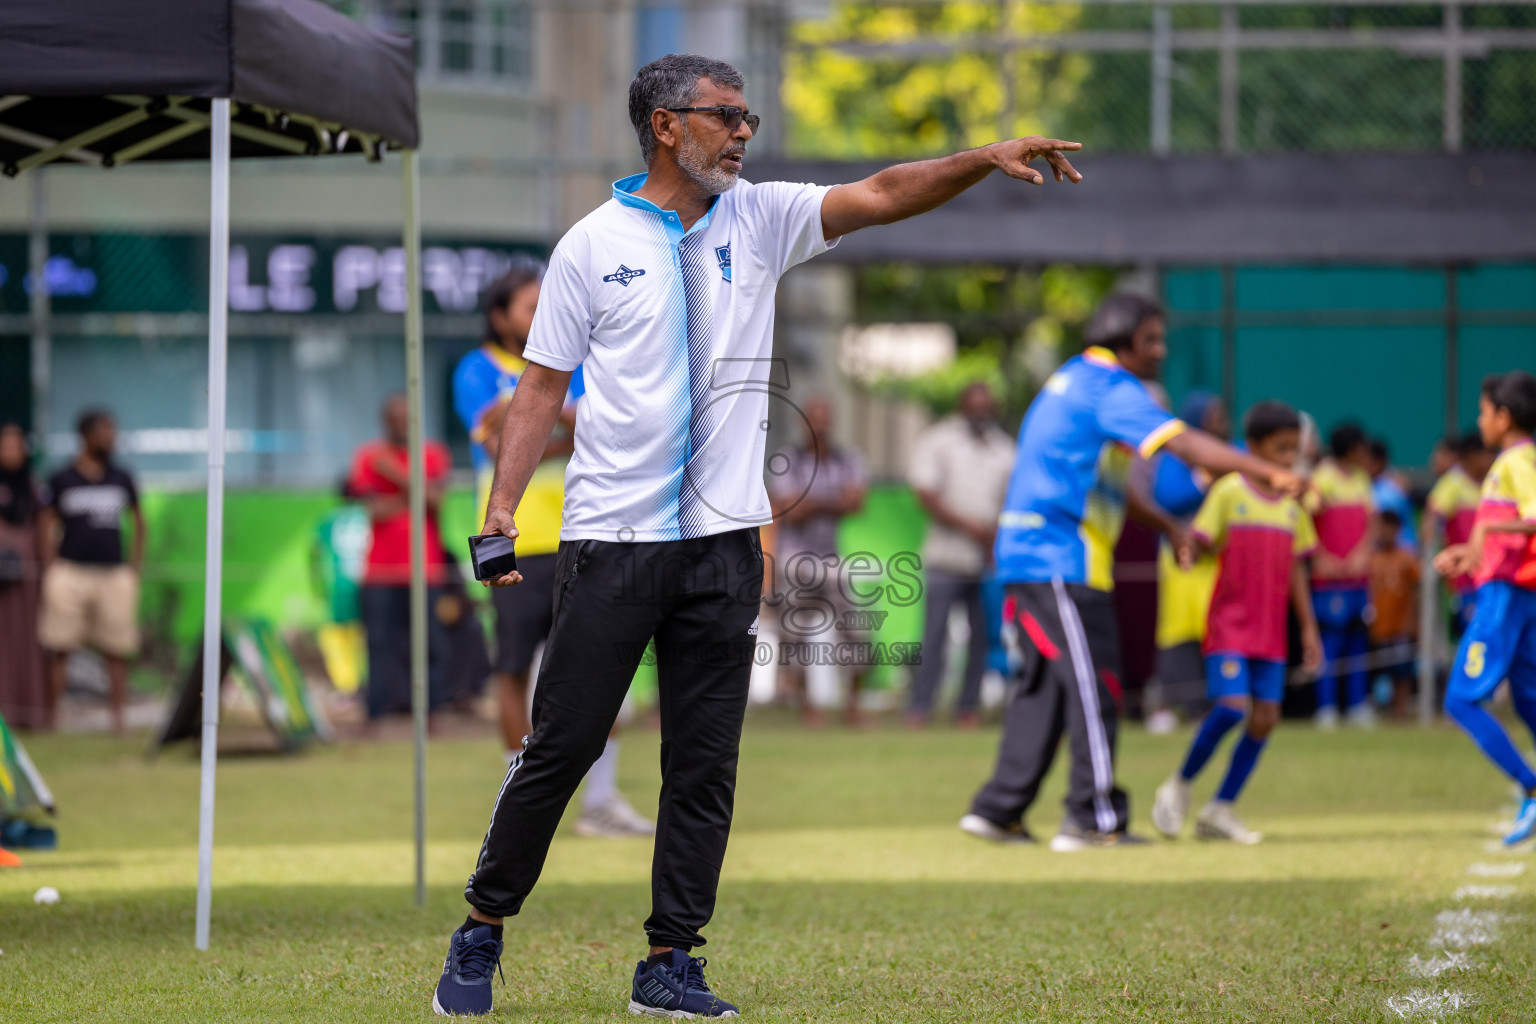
{"x": 699, "y": 599}
{"x": 1070, "y": 684}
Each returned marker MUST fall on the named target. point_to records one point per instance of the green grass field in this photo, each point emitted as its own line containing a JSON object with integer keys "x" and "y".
{"x": 848, "y": 893}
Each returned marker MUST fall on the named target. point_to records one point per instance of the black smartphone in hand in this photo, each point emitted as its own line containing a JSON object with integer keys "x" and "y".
{"x": 492, "y": 556}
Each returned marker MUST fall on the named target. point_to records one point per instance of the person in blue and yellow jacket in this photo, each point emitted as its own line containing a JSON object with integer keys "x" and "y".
{"x": 1066, "y": 503}
{"x": 483, "y": 384}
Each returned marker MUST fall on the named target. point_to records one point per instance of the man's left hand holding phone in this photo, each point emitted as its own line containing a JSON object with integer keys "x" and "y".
{"x": 492, "y": 554}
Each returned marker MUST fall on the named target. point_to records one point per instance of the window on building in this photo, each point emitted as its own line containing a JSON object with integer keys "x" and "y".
{"x": 484, "y": 42}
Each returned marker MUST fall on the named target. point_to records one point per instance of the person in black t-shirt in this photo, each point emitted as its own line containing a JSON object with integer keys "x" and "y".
{"x": 90, "y": 594}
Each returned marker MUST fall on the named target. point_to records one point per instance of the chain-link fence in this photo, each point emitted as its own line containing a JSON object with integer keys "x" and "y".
{"x": 869, "y": 79}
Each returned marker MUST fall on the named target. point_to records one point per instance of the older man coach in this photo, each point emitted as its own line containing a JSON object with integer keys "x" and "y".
{"x": 664, "y": 295}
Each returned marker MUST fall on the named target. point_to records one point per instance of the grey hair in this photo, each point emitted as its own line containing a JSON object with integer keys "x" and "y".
{"x": 673, "y": 81}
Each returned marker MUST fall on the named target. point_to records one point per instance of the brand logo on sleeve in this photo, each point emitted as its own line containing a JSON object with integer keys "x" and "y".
{"x": 623, "y": 275}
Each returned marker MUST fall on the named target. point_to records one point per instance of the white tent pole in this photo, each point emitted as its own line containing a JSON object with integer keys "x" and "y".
{"x": 418, "y": 507}
{"x": 213, "y": 567}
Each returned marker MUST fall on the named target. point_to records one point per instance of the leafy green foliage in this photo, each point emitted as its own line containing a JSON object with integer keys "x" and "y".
{"x": 1371, "y": 98}
{"x": 1013, "y": 325}
{"x": 847, "y": 106}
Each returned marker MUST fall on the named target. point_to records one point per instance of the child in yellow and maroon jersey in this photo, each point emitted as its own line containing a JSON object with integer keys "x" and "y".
{"x": 1341, "y": 575}
{"x": 1500, "y": 642}
{"x": 1261, "y": 538}
{"x": 1453, "y": 502}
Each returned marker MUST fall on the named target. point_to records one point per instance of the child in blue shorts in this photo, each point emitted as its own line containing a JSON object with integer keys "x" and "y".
{"x": 1500, "y": 641}
{"x": 1261, "y": 539}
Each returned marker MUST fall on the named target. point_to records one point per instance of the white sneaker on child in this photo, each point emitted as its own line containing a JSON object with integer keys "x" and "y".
{"x": 1361, "y": 716}
{"x": 1171, "y": 806}
{"x": 614, "y": 818}
{"x": 1217, "y": 820}
{"x": 1326, "y": 719}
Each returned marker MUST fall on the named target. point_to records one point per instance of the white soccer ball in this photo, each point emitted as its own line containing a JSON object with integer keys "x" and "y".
{"x": 46, "y": 896}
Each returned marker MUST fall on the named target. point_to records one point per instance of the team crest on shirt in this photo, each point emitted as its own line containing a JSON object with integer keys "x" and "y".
{"x": 723, "y": 256}
{"x": 623, "y": 275}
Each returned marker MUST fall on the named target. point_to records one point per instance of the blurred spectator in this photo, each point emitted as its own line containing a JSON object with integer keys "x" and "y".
{"x": 1394, "y": 596}
{"x": 960, "y": 469}
{"x": 1341, "y": 503}
{"x": 90, "y": 595}
{"x": 381, "y": 478}
{"x": 1445, "y": 454}
{"x": 1390, "y": 492}
{"x": 812, "y": 488}
{"x": 1311, "y": 444}
{"x": 1183, "y": 595}
{"x": 483, "y": 385}
{"x": 1453, "y": 503}
{"x": 24, "y": 698}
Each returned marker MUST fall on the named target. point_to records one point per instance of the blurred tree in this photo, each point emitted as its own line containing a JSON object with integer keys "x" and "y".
{"x": 841, "y": 105}
{"x": 1013, "y": 325}
{"x": 848, "y": 107}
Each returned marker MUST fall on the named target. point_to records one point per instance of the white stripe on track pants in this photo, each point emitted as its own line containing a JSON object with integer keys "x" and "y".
{"x": 1069, "y": 684}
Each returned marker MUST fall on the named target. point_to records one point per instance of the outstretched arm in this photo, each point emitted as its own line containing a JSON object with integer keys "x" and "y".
{"x": 1198, "y": 448}
{"x": 907, "y": 190}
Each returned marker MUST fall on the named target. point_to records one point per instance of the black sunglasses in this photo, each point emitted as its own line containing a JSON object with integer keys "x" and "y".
{"x": 732, "y": 116}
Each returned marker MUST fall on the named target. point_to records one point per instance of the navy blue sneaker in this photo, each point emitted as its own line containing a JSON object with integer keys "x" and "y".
{"x": 676, "y": 989}
{"x": 465, "y": 987}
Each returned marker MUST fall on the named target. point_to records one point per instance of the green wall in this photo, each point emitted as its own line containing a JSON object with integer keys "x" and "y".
{"x": 1364, "y": 343}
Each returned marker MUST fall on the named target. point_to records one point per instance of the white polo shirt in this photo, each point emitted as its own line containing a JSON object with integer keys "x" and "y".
{"x": 674, "y": 334}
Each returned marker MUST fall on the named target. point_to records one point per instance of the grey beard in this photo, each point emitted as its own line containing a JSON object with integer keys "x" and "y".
{"x": 702, "y": 169}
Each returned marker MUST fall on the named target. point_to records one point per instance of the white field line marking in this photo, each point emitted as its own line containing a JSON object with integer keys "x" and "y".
{"x": 1512, "y": 869}
{"x": 1462, "y": 929}
{"x": 1497, "y": 846}
{"x": 1421, "y": 1003}
{"x": 1440, "y": 963}
{"x": 1456, "y": 930}
{"x": 1485, "y": 892}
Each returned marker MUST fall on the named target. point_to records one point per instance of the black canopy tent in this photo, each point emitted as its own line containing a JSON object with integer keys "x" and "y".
{"x": 106, "y": 83}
